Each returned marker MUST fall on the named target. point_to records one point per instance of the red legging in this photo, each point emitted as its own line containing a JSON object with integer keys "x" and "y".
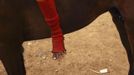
{"x": 50, "y": 14}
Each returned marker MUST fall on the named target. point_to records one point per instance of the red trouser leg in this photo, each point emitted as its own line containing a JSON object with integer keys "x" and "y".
{"x": 50, "y": 14}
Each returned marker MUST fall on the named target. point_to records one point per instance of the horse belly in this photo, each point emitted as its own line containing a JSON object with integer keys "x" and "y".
{"x": 10, "y": 25}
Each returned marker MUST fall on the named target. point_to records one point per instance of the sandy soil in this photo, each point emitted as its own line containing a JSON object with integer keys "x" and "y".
{"x": 89, "y": 50}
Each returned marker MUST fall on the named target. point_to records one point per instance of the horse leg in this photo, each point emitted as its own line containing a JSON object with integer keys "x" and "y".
{"x": 119, "y": 22}
{"x": 12, "y": 59}
{"x": 129, "y": 25}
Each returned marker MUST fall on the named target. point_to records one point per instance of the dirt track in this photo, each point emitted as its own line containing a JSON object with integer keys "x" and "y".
{"x": 89, "y": 50}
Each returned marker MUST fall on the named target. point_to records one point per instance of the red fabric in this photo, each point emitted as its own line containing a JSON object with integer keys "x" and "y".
{"x": 50, "y": 14}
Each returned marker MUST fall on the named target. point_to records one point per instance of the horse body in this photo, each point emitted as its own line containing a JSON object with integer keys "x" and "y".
{"x": 74, "y": 15}
{"x": 85, "y": 12}
{"x": 22, "y": 20}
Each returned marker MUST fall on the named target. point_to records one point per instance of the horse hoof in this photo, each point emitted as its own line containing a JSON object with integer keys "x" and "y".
{"x": 58, "y": 55}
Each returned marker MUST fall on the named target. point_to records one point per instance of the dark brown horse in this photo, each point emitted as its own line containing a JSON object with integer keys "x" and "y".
{"x": 21, "y": 20}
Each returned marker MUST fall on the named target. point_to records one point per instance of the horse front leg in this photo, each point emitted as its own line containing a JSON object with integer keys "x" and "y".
{"x": 119, "y": 22}
{"x": 12, "y": 58}
{"x": 129, "y": 25}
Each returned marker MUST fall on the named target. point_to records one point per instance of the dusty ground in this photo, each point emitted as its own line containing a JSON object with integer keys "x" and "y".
{"x": 89, "y": 50}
